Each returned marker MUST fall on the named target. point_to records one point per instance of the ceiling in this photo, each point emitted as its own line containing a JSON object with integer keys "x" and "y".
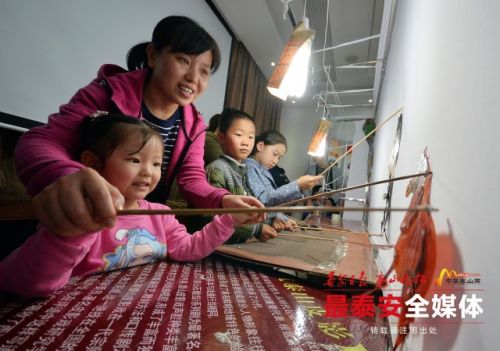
{"x": 261, "y": 26}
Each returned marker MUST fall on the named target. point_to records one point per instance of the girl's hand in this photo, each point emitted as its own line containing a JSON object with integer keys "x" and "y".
{"x": 279, "y": 224}
{"x": 242, "y": 201}
{"x": 268, "y": 232}
{"x": 308, "y": 181}
{"x": 292, "y": 225}
{"x": 78, "y": 203}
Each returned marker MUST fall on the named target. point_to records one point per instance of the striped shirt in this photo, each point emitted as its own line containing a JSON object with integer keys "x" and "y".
{"x": 168, "y": 129}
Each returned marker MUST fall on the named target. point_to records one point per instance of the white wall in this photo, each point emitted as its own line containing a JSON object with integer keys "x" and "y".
{"x": 442, "y": 69}
{"x": 297, "y": 125}
{"x": 357, "y": 173}
{"x": 51, "y": 48}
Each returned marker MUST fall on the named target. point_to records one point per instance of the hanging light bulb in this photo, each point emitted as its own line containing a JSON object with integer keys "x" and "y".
{"x": 289, "y": 78}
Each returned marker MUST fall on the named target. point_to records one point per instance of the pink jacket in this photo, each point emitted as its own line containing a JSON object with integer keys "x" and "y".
{"x": 45, "y": 153}
{"x": 45, "y": 262}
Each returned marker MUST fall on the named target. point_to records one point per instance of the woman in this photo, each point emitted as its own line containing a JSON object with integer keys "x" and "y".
{"x": 166, "y": 76}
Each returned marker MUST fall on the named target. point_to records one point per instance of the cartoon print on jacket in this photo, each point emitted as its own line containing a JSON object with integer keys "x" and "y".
{"x": 141, "y": 247}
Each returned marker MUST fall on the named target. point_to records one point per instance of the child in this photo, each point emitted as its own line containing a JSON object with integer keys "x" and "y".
{"x": 237, "y": 137}
{"x": 269, "y": 148}
{"x": 127, "y": 154}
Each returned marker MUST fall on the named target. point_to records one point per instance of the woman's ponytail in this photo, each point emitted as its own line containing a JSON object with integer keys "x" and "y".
{"x": 137, "y": 57}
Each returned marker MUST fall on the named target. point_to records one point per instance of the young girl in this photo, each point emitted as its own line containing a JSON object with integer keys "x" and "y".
{"x": 237, "y": 137}
{"x": 269, "y": 148}
{"x": 128, "y": 154}
{"x": 165, "y": 77}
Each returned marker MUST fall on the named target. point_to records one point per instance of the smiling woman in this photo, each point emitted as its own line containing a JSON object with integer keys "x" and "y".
{"x": 165, "y": 77}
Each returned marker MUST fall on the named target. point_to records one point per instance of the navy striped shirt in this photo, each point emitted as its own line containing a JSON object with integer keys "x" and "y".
{"x": 168, "y": 129}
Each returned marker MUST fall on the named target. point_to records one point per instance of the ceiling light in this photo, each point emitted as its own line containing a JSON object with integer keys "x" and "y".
{"x": 273, "y": 64}
{"x": 370, "y": 100}
{"x": 290, "y": 75}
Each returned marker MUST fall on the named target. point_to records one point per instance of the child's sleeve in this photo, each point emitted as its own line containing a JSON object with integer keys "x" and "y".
{"x": 43, "y": 264}
{"x": 182, "y": 246}
{"x": 245, "y": 232}
{"x": 281, "y": 216}
{"x": 263, "y": 190}
{"x": 215, "y": 176}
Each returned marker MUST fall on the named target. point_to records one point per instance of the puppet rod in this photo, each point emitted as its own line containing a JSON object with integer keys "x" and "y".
{"x": 335, "y": 231}
{"x": 12, "y": 212}
{"x": 216, "y": 211}
{"x": 395, "y": 113}
{"x": 379, "y": 246}
{"x": 355, "y": 187}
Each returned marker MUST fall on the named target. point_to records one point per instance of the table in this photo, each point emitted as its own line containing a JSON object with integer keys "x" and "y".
{"x": 315, "y": 255}
{"x": 213, "y": 304}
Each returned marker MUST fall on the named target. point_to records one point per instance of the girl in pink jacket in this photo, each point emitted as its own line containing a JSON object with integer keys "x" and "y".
{"x": 128, "y": 154}
{"x": 165, "y": 77}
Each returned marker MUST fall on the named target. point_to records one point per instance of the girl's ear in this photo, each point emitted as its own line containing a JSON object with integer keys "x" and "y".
{"x": 150, "y": 51}
{"x": 89, "y": 159}
{"x": 260, "y": 146}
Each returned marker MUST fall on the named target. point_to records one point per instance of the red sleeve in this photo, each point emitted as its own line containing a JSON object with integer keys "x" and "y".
{"x": 192, "y": 179}
{"x": 43, "y": 264}
{"x": 45, "y": 153}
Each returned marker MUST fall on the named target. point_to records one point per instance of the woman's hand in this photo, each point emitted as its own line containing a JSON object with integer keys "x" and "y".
{"x": 267, "y": 233}
{"x": 308, "y": 181}
{"x": 242, "y": 201}
{"x": 78, "y": 203}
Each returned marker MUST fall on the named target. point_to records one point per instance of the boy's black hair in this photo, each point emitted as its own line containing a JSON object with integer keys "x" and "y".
{"x": 229, "y": 115}
{"x": 270, "y": 137}
{"x": 103, "y": 133}
{"x": 179, "y": 34}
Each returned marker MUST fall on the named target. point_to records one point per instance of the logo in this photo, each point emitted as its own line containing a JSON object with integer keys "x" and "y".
{"x": 454, "y": 277}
